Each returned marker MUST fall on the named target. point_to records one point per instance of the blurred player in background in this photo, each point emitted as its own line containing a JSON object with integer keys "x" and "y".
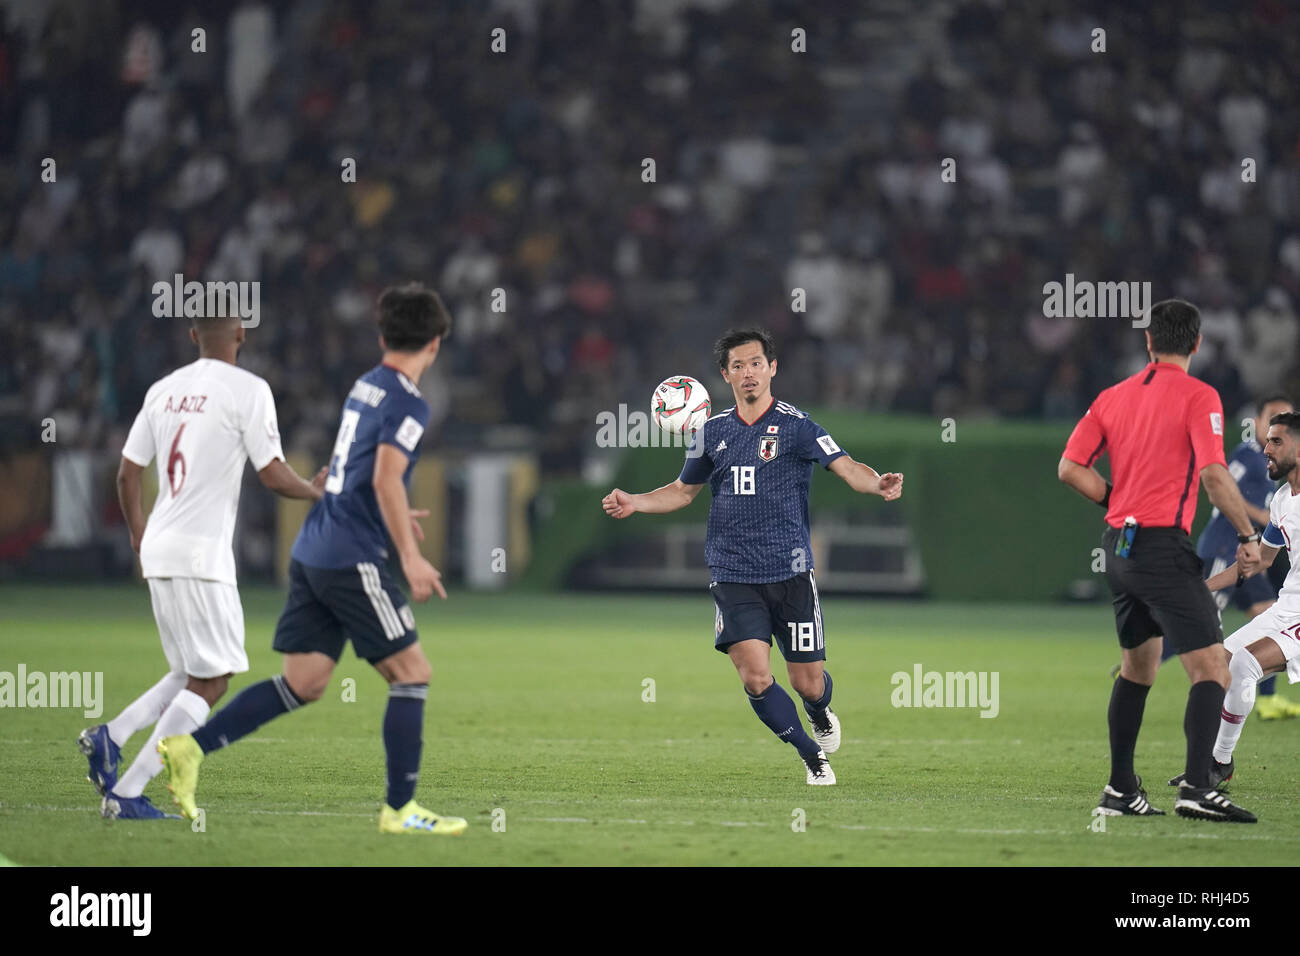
{"x": 1268, "y": 643}
{"x": 758, "y": 459}
{"x": 1218, "y": 542}
{"x": 1217, "y": 545}
{"x": 201, "y": 422}
{"x": 339, "y": 585}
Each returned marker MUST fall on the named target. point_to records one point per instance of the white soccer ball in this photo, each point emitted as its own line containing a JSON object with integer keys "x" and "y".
{"x": 680, "y": 405}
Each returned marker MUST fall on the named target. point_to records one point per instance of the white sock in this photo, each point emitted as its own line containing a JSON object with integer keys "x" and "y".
{"x": 146, "y": 708}
{"x": 186, "y": 713}
{"x": 1237, "y": 703}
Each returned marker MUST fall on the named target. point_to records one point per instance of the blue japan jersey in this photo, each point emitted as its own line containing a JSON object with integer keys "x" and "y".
{"x": 1247, "y": 466}
{"x": 759, "y": 476}
{"x": 345, "y": 527}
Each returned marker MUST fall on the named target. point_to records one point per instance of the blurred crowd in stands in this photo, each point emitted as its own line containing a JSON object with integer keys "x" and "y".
{"x": 782, "y": 160}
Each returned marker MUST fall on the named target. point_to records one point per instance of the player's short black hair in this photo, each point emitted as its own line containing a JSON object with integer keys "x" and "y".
{"x": 733, "y": 337}
{"x": 216, "y": 322}
{"x": 1290, "y": 419}
{"x": 1271, "y": 397}
{"x": 1175, "y": 324}
{"x": 411, "y": 316}
{"x": 220, "y": 306}
{"x": 222, "y": 323}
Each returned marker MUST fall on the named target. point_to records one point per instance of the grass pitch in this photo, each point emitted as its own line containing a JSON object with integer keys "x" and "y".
{"x": 537, "y": 719}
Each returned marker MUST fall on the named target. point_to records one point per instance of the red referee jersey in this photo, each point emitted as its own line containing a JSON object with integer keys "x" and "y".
{"x": 1160, "y": 428}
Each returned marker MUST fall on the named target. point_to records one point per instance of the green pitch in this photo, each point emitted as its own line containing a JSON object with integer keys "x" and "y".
{"x": 538, "y": 719}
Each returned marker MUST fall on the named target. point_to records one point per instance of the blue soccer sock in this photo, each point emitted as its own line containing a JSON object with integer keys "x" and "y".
{"x": 251, "y": 708}
{"x": 775, "y": 708}
{"x": 813, "y": 707}
{"x": 403, "y": 740}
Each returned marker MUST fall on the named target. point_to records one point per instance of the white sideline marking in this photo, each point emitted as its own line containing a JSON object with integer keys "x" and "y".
{"x": 978, "y": 831}
{"x": 242, "y": 740}
{"x": 306, "y": 813}
{"x": 587, "y": 741}
{"x": 713, "y": 741}
{"x": 912, "y": 829}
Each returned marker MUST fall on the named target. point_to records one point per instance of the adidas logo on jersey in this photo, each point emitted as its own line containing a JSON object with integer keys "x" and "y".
{"x": 721, "y": 446}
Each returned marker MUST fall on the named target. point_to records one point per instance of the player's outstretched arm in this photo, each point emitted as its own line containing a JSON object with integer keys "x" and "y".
{"x": 128, "y": 498}
{"x": 283, "y": 480}
{"x": 390, "y": 494}
{"x": 1227, "y": 578}
{"x": 661, "y": 501}
{"x": 866, "y": 480}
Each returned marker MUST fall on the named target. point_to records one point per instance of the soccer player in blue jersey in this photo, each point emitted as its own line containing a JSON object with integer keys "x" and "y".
{"x": 757, "y": 458}
{"x": 340, "y": 588}
{"x": 1217, "y": 546}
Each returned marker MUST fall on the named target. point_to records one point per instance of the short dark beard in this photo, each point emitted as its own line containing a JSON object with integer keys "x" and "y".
{"x": 1280, "y": 471}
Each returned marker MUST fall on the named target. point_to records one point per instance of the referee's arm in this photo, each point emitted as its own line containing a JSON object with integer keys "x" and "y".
{"x": 1084, "y": 479}
{"x": 1219, "y": 485}
{"x": 1087, "y": 443}
{"x": 1226, "y": 496}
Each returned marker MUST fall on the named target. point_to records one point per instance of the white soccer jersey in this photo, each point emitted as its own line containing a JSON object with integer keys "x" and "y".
{"x": 201, "y": 422}
{"x": 1284, "y": 516}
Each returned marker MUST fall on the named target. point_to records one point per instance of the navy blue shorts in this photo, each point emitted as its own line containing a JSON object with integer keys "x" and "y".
{"x": 327, "y": 607}
{"x": 787, "y": 610}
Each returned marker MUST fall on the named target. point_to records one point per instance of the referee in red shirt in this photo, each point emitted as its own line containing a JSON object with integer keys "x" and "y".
{"x": 1162, "y": 428}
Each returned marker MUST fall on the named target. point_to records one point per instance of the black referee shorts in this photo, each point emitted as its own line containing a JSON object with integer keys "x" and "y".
{"x": 1160, "y": 589}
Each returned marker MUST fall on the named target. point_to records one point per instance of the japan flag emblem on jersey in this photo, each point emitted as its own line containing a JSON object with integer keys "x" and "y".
{"x": 767, "y": 447}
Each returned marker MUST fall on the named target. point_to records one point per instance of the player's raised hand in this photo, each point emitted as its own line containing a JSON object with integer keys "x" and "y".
{"x": 415, "y": 525}
{"x": 423, "y": 578}
{"x": 618, "y": 504}
{"x": 891, "y": 486}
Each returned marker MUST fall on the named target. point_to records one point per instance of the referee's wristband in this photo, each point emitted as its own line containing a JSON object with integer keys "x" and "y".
{"x": 1105, "y": 499}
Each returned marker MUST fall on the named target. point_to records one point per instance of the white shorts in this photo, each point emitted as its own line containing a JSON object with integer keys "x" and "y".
{"x": 201, "y": 624}
{"x": 1281, "y": 626}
